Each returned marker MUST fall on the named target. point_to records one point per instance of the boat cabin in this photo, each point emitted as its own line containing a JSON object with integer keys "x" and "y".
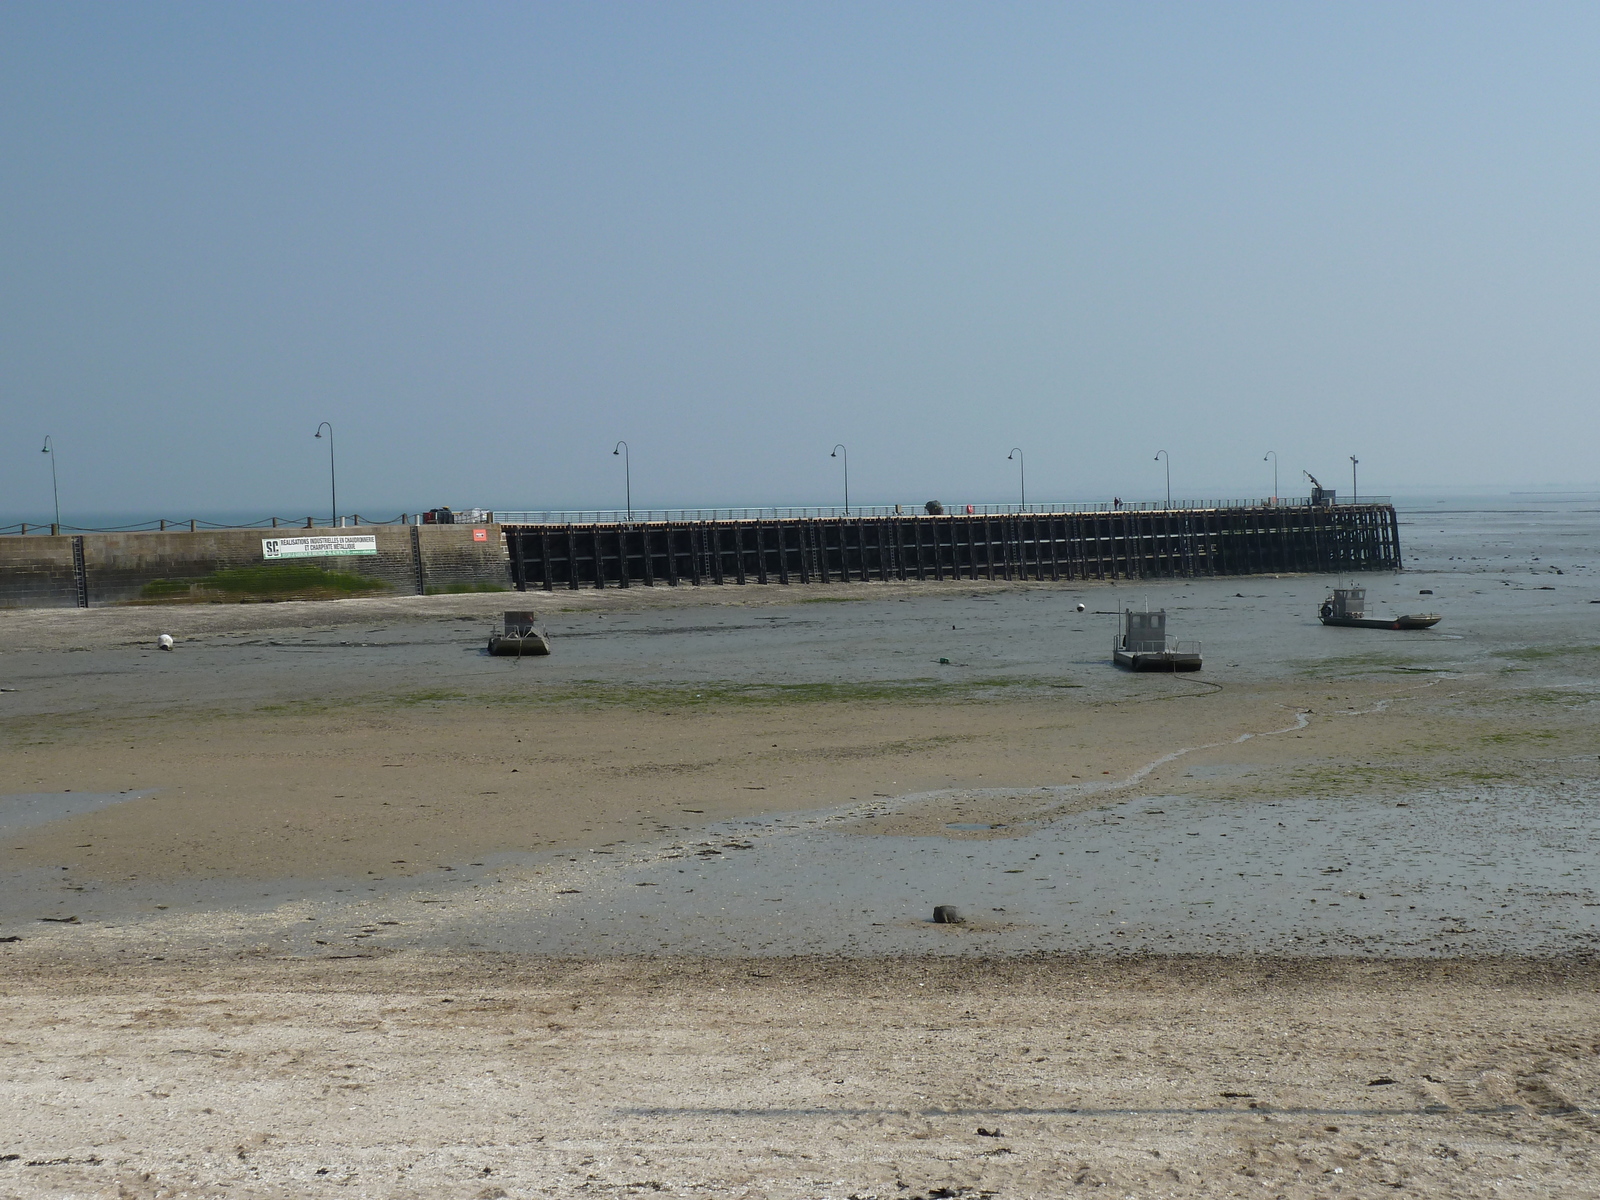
{"x": 1347, "y": 602}
{"x": 521, "y": 622}
{"x": 1144, "y": 630}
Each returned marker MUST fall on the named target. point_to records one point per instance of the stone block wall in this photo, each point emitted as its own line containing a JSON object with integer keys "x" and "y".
{"x": 38, "y": 572}
{"x": 451, "y": 556}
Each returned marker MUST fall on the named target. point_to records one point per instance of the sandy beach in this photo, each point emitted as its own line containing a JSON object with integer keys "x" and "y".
{"x": 416, "y": 1076}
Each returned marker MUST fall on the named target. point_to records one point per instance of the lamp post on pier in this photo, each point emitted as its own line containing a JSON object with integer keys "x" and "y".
{"x": 837, "y": 451}
{"x": 1160, "y": 455}
{"x": 1022, "y": 469}
{"x": 55, "y": 494}
{"x": 627, "y": 473}
{"x": 1353, "y": 461}
{"x": 1273, "y": 455}
{"x": 333, "y": 478}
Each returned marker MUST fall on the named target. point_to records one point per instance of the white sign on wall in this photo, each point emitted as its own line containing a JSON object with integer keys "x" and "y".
{"x": 316, "y": 547}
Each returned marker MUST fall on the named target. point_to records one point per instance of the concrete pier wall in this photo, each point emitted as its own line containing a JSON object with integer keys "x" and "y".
{"x": 112, "y": 568}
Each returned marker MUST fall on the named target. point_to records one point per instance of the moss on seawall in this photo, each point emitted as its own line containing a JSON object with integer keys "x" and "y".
{"x": 270, "y": 581}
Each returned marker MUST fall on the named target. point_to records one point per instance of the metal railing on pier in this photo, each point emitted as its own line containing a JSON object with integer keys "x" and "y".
{"x": 653, "y": 516}
{"x": 680, "y": 516}
{"x": 195, "y": 525}
{"x": 643, "y": 516}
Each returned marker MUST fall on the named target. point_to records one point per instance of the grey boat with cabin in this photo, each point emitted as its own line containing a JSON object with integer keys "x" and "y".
{"x": 1348, "y": 606}
{"x": 1143, "y": 645}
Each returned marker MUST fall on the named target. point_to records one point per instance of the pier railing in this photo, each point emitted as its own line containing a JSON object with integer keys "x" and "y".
{"x": 197, "y": 525}
{"x": 618, "y": 516}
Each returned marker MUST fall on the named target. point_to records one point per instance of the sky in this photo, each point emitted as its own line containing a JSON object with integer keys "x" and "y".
{"x": 486, "y": 241}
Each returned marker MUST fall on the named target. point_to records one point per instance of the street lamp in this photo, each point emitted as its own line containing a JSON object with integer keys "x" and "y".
{"x": 1162, "y": 454}
{"x": 333, "y": 479}
{"x": 1273, "y": 455}
{"x": 1353, "y": 461}
{"x": 55, "y": 494}
{"x": 1022, "y": 467}
{"x": 627, "y": 473}
{"x": 837, "y": 450}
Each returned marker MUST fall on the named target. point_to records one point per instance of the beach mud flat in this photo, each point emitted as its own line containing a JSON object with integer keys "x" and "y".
{"x": 1506, "y": 871}
{"x": 258, "y": 875}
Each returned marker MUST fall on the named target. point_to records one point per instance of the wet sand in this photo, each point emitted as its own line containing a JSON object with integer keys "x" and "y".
{"x": 766, "y": 790}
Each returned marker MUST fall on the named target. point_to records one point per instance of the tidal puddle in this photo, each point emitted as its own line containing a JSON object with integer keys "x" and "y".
{"x": 24, "y": 810}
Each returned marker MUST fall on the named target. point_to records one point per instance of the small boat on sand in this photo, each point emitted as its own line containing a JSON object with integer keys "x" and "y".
{"x": 522, "y": 637}
{"x": 1143, "y": 645}
{"x": 1347, "y": 606}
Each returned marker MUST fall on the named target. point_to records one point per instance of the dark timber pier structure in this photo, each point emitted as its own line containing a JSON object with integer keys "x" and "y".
{"x": 1150, "y": 544}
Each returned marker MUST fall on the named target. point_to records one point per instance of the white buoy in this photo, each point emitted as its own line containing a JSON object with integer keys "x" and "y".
{"x": 165, "y": 641}
{"x": 1080, "y": 608}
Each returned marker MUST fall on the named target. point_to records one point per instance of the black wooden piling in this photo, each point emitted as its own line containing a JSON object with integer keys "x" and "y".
{"x": 1178, "y": 543}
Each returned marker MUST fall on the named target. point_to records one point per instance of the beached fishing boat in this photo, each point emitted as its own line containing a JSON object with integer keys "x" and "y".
{"x": 1347, "y": 606}
{"x": 1143, "y": 645}
{"x": 522, "y": 637}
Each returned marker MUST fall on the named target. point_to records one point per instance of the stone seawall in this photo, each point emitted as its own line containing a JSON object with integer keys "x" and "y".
{"x": 112, "y": 568}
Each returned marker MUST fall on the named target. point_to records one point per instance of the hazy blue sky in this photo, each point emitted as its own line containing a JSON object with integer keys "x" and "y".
{"x": 487, "y": 240}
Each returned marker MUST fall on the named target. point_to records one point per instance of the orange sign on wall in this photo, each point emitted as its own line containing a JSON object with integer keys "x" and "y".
{"x": 480, "y": 535}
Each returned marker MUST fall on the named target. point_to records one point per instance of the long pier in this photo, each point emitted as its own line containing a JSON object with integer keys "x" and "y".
{"x": 1064, "y": 546}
